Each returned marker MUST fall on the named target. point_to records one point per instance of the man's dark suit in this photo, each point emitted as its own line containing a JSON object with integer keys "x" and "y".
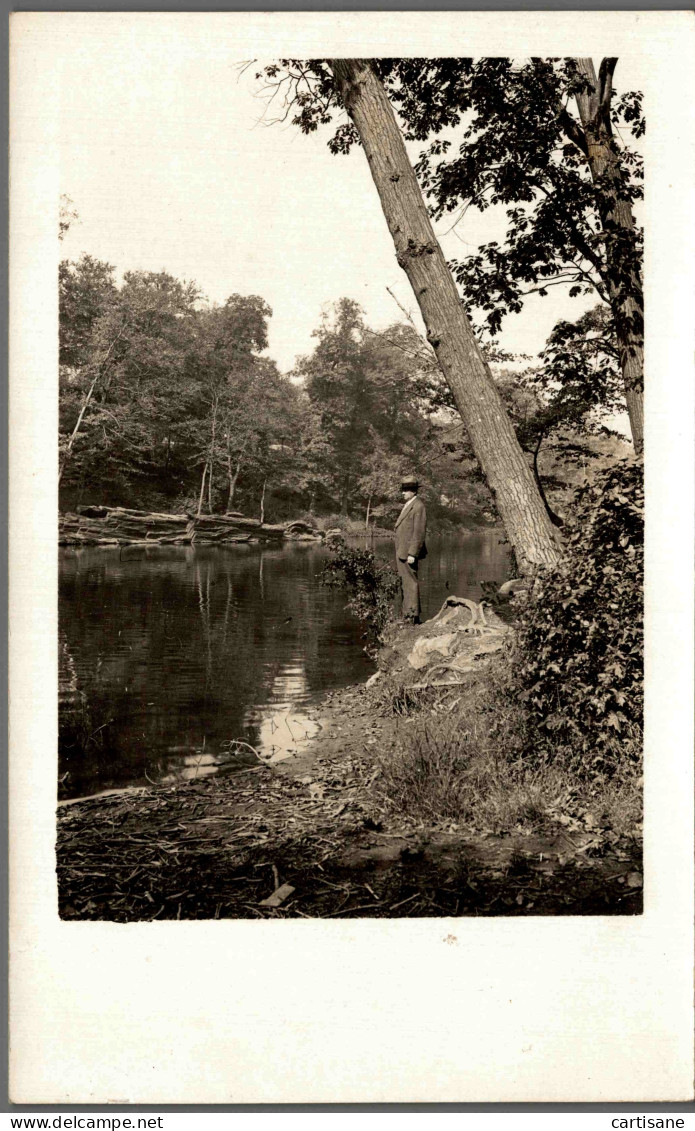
{"x": 409, "y": 536}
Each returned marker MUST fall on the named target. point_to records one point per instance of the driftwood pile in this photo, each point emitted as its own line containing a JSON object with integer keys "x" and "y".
{"x": 117, "y": 526}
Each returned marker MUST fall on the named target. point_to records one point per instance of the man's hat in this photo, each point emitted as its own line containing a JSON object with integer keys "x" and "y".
{"x": 409, "y": 483}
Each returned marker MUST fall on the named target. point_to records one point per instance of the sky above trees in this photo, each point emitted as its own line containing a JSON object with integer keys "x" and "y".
{"x": 171, "y": 156}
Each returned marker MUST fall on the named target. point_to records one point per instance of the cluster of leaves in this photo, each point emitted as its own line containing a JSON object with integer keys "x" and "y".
{"x": 500, "y": 131}
{"x": 580, "y": 653}
{"x": 371, "y": 586}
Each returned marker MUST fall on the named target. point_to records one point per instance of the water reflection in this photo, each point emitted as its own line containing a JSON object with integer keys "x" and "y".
{"x": 284, "y": 733}
{"x": 174, "y": 652}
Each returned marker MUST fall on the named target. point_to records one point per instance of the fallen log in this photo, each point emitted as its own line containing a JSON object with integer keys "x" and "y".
{"x": 109, "y": 526}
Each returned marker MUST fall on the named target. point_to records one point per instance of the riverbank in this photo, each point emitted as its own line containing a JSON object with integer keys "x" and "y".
{"x": 328, "y": 832}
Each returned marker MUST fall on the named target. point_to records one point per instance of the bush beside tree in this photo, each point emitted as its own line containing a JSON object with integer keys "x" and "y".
{"x": 579, "y": 654}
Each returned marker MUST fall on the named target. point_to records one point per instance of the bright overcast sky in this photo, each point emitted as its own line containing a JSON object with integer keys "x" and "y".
{"x": 170, "y": 165}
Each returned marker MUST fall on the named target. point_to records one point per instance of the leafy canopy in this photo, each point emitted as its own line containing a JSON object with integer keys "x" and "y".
{"x": 499, "y": 132}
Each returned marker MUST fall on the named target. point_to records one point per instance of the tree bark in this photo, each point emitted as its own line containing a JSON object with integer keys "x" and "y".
{"x": 449, "y": 332}
{"x": 263, "y": 501}
{"x": 618, "y": 223}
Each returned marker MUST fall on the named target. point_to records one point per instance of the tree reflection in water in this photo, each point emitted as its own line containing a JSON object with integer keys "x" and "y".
{"x": 177, "y": 651}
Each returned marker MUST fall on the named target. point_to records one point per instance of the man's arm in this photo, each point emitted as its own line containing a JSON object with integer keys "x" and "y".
{"x": 417, "y": 537}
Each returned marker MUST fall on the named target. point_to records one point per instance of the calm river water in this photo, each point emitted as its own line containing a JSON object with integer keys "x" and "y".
{"x": 177, "y": 651}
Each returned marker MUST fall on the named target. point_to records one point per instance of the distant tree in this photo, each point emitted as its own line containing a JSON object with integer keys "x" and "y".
{"x": 129, "y": 386}
{"x": 367, "y": 393}
{"x": 86, "y": 290}
{"x": 67, "y": 214}
{"x": 337, "y": 383}
{"x": 222, "y": 367}
{"x": 159, "y": 389}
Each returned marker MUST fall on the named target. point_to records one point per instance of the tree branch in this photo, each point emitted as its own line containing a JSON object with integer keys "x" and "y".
{"x": 573, "y": 131}
{"x": 605, "y": 83}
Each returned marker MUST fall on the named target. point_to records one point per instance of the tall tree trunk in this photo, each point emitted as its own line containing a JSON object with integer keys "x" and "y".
{"x": 211, "y": 461}
{"x": 80, "y": 418}
{"x": 263, "y": 502}
{"x": 344, "y": 492}
{"x": 201, "y": 496}
{"x": 448, "y": 330}
{"x": 233, "y": 479}
{"x": 618, "y": 223}
{"x": 366, "y": 523}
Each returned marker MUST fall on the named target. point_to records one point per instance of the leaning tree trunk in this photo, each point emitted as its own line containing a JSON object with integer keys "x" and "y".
{"x": 86, "y": 402}
{"x": 448, "y": 330}
{"x": 618, "y": 223}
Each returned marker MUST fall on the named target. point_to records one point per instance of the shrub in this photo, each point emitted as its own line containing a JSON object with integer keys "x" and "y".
{"x": 372, "y": 587}
{"x": 579, "y": 653}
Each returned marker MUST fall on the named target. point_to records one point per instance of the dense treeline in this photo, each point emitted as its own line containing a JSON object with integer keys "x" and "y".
{"x": 168, "y": 402}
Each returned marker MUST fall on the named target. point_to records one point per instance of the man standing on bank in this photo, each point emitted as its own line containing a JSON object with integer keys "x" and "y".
{"x": 410, "y": 547}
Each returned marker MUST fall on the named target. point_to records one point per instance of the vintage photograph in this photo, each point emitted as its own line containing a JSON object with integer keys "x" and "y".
{"x": 350, "y": 484}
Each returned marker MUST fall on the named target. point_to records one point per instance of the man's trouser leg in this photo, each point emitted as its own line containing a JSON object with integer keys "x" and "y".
{"x": 411, "y": 589}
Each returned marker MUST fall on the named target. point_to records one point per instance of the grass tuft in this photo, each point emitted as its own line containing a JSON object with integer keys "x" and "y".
{"x": 474, "y": 765}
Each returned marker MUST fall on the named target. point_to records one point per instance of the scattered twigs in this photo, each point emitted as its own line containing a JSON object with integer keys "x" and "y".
{"x": 349, "y": 910}
{"x": 404, "y": 901}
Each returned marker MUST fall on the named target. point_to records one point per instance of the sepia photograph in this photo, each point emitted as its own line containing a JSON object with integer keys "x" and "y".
{"x": 350, "y": 486}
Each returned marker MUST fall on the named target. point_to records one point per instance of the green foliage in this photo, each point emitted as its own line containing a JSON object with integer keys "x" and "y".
{"x": 372, "y": 587}
{"x": 579, "y": 655}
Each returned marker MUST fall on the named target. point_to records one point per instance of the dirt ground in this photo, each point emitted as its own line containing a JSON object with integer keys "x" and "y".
{"x": 220, "y": 847}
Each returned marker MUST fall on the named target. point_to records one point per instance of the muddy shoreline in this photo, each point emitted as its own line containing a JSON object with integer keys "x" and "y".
{"x": 316, "y": 823}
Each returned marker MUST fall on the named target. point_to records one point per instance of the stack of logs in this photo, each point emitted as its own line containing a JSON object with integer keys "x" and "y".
{"x": 118, "y": 526}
